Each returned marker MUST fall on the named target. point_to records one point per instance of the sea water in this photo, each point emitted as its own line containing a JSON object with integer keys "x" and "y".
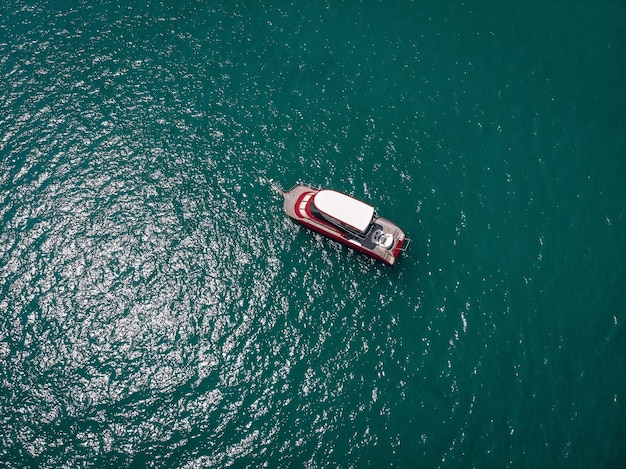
{"x": 158, "y": 308}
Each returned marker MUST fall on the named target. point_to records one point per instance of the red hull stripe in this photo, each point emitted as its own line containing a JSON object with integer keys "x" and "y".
{"x": 396, "y": 251}
{"x": 343, "y": 240}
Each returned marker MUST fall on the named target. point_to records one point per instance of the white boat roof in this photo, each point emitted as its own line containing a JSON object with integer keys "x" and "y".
{"x": 344, "y": 208}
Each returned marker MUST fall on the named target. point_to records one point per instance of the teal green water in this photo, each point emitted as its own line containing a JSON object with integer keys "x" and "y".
{"x": 158, "y": 309}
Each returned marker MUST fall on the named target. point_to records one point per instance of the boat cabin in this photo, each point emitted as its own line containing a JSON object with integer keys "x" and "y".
{"x": 343, "y": 211}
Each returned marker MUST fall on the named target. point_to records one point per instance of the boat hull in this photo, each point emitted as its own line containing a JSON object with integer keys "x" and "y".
{"x": 297, "y": 206}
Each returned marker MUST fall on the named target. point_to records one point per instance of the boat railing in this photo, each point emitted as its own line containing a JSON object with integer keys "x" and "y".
{"x": 405, "y": 245}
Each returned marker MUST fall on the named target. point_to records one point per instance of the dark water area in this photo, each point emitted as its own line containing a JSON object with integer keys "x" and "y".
{"x": 158, "y": 309}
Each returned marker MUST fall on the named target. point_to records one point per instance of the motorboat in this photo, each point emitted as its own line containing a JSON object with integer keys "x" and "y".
{"x": 347, "y": 220}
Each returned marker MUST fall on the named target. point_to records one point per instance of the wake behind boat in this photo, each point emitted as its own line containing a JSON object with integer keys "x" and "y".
{"x": 347, "y": 220}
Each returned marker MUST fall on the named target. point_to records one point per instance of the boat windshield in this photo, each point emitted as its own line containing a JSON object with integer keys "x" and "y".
{"x": 344, "y": 209}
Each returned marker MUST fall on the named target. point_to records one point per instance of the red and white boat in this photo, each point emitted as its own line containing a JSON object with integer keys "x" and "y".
{"x": 347, "y": 220}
